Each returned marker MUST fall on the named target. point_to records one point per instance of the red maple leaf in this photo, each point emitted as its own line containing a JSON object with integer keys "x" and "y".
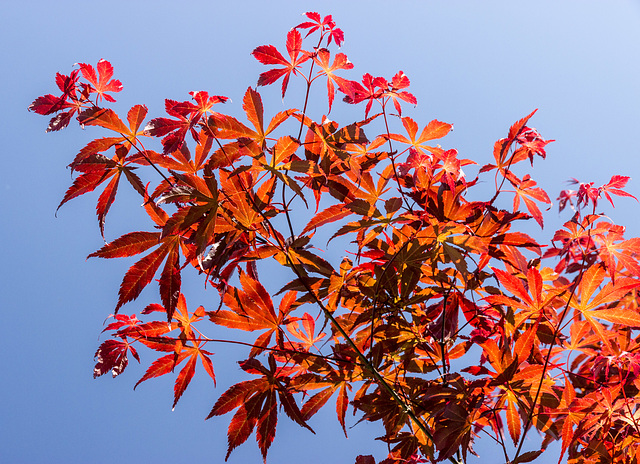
{"x": 167, "y": 364}
{"x": 306, "y": 333}
{"x": 112, "y": 356}
{"x": 433, "y": 130}
{"x": 370, "y": 90}
{"x": 615, "y": 186}
{"x": 97, "y": 168}
{"x": 268, "y": 54}
{"x": 615, "y": 248}
{"x": 398, "y": 82}
{"x": 142, "y": 272}
{"x": 102, "y": 82}
{"x": 256, "y": 401}
{"x": 323, "y": 25}
{"x": 528, "y": 192}
{"x": 186, "y": 115}
{"x": 339, "y": 62}
{"x": 185, "y": 347}
{"x": 70, "y": 99}
{"x": 531, "y": 143}
{"x": 450, "y": 168}
{"x": 252, "y": 309}
{"x": 49, "y": 104}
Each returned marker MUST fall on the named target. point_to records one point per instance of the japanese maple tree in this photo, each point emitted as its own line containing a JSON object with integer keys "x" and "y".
{"x": 445, "y": 320}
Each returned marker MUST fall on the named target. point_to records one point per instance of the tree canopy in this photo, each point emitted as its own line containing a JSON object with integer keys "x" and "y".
{"x": 443, "y": 319}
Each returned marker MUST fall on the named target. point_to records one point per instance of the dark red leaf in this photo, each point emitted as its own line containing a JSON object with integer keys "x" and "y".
{"x": 112, "y": 356}
{"x": 60, "y": 121}
{"x": 170, "y": 282}
{"x": 129, "y": 244}
{"x": 84, "y": 184}
{"x": 184, "y": 377}
{"x": 48, "y": 104}
{"x": 266, "y": 430}
{"x": 105, "y": 201}
{"x": 139, "y": 275}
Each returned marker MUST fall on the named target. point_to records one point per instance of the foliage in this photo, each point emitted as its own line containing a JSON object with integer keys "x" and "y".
{"x": 445, "y": 321}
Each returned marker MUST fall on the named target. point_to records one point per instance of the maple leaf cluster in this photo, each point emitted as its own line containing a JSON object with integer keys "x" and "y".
{"x": 444, "y": 322}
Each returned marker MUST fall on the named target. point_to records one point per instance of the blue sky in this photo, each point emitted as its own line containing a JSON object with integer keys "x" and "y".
{"x": 480, "y": 65}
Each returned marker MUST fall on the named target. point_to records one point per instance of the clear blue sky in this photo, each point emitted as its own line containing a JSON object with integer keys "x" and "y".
{"x": 480, "y": 65}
